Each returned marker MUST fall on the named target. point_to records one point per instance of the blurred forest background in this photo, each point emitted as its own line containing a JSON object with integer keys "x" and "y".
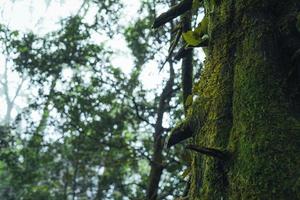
{"x": 85, "y": 110}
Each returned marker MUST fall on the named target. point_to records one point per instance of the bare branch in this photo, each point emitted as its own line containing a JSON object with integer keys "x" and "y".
{"x": 173, "y": 12}
{"x": 137, "y": 112}
{"x": 208, "y": 151}
{"x": 172, "y": 47}
{"x": 18, "y": 90}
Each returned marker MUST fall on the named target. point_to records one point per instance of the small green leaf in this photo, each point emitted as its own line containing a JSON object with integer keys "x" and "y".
{"x": 202, "y": 27}
{"x": 190, "y": 38}
{"x": 189, "y": 100}
{"x": 15, "y": 33}
{"x": 194, "y": 38}
{"x": 23, "y": 49}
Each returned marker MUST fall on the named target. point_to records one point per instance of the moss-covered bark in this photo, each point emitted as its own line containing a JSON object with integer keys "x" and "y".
{"x": 248, "y": 103}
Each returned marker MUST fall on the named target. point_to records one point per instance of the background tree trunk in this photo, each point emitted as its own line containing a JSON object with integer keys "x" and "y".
{"x": 187, "y": 63}
{"x": 248, "y": 103}
{"x": 157, "y": 158}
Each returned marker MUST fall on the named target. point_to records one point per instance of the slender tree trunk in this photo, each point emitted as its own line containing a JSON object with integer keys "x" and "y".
{"x": 248, "y": 103}
{"x": 187, "y": 79}
{"x": 37, "y": 137}
{"x": 187, "y": 63}
{"x": 31, "y": 154}
{"x": 157, "y": 157}
{"x": 10, "y": 102}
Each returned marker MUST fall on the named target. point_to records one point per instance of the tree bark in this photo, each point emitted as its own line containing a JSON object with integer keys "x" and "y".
{"x": 248, "y": 103}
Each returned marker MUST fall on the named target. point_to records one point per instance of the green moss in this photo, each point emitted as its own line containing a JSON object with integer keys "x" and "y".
{"x": 241, "y": 107}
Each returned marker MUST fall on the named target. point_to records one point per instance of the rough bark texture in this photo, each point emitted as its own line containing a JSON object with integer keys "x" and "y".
{"x": 248, "y": 103}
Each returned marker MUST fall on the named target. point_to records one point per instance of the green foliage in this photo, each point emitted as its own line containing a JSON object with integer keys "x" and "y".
{"x": 65, "y": 47}
{"x": 137, "y": 38}
{"x": 88, "y": 115}
{"x": 87, "y": 141}
{"x": 196, "y": 37}
{"x": 197, "y": 4}
{"x": 189, "y": 100}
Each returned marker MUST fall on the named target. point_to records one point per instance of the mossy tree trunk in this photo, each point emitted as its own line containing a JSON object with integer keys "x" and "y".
{"x": 247, "y": 103}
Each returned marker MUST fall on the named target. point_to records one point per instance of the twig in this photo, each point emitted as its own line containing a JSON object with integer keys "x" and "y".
{"x": 172, "y": 48}
{"x": 208, "y": 151}
{"x": 173, "y": 12}
{"x": 136, "y": 108}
